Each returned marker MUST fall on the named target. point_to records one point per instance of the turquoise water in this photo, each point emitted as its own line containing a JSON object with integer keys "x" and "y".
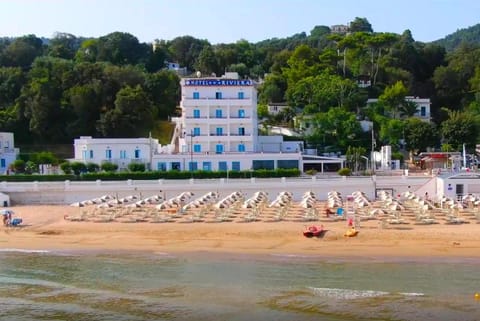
{"x": 200, "y": 286}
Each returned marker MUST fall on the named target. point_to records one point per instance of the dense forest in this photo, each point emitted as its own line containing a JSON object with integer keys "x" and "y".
{"x": 115, "y": 86}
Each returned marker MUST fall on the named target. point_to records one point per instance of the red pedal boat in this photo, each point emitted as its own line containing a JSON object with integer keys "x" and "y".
{"x": 313, "y": 231}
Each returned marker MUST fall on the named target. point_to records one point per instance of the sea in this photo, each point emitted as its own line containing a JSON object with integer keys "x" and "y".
{"x": 86, "y": 285}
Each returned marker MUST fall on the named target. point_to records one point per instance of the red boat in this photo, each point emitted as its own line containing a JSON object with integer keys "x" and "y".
{"x": 313, "y": 231}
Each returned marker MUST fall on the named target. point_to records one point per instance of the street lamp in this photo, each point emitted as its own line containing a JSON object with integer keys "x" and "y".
{"x": 366, "y": 160}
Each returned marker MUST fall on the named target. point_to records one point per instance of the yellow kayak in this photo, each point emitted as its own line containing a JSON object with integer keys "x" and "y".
{"x": 351, "y": 232}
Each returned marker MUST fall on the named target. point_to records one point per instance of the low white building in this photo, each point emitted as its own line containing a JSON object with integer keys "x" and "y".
{"x": 276, "y": 108}
{"x": 423, "y": 107}
{"x": 119, "y": 151}
{"x": 8, "y": 152}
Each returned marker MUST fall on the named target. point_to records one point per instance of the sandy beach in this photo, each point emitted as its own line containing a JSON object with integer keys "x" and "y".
{"x": 45, "y": 228}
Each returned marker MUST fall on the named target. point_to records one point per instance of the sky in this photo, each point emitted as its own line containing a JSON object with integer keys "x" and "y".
{"x": 228, "y": 21}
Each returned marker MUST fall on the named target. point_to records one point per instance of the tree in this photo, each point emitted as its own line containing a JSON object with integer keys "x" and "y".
{"x": 206, "y": 61}
{"x": 392, "y": 131}
{"x": 22, "y": 52}
{"x": 393, "y": 98}
{"x": 460, "y": 128}
{"x": 354, "y": 156}
{"x": 378, "y": 43}
{"x": 301, "y": 64}
{"x": 163, "y": 90}
{"x": 44, "y": 158}
{"x": 43, "y": 98}
{"x": 336, "y": 127}
{"x": 121, "y": 48}
{"x": 63, "y": 45}
{"x": 323, "y": 91}
{"x": 272, "y": 90}
{"x": 360, "y": 25}
{"x": 239, "y": 68}
{"x": 419, "y": 135}
{"x": 185, "y": 50}
{"x": 132, "y": 115}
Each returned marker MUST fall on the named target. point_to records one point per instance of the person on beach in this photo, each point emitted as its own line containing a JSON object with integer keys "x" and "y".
{"x": 7, "y": 218}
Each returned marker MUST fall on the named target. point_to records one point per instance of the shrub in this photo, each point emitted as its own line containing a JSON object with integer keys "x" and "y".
{"x": 31, "y": 167}
{"x": 344, "y": 171}
{"x": 78, "y": 167}
{"x": 44, "y": 158}
{"x": 136, "y": 167}
{"x": 18, "y": 166}
{"x": 66, "y": 168}
{"x": 92, "y": 167}
{"x": 311, "y": 172}
{"x": 109, "y": 167}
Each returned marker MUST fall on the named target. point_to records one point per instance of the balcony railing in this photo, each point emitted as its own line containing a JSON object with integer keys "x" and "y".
{"x": 215, "y": 117}
{"x": 214, "y": 98}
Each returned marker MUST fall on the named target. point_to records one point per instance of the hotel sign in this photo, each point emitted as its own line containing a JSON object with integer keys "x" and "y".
{"x": 218, "y": 82}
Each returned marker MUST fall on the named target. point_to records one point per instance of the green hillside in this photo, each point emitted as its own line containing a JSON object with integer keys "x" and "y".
{"x": 468, "y": 35}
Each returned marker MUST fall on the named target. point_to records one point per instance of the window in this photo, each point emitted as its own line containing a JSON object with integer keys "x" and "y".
{"x": 263, "y": 164}
{"x": 175, "y": 166}
{"x": 192, "y": 166}
{"x": 423, "y": 111}
{"x": 91, "y": 154}
{"x": 196, "y": 113}
{"x": 196, "y": 131}
{"x": 240, "y": 95}
{"x": 222, "y": 166}
{"x": 123, "y": 154}
{"x": 108, "y": 154}
{"x": 3, "y": 163}
{"x": 218, "y": 113}
{"x": 137, "y": 153}
{"x": 241, "y": 131}
{"x": 207, "y": 166}
{"x": 84, "y": 155}
{"x": 235, "y": 166}
{"x": 218, "y": 95}
{"x": 196, "y": 95}
{"x": 241, "y": 147}
{"x": 219, "y": 131}
{"x": 197, "y": 148}
{"x": 241, "y": 113}
{"x": 219, "y": 148}
{"x": 286, "y": 163}
{"x": 162, "y": 166}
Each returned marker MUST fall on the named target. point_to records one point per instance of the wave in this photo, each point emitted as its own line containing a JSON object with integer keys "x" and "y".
{"x": 24, "y": 251}
{"x": 357, "y": 294}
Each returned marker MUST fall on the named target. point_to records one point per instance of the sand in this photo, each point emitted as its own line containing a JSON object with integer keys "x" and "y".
{"x": 46, "y": 228}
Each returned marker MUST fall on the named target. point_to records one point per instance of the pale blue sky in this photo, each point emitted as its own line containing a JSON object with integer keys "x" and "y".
{"x": 231, "y": 20}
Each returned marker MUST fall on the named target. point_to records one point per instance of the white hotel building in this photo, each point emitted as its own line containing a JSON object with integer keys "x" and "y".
{"x": 218, "y": 131}
{"x": 8, "y": 152}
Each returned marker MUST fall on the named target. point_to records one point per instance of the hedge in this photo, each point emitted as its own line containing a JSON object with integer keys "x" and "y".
{"x": 121, "y": 176}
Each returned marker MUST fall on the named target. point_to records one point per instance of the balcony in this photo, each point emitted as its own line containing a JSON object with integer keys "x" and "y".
{"x": 207, "y": 102}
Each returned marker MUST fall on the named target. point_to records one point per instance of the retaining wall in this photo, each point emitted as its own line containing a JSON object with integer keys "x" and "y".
{"x": 68, "y": 192}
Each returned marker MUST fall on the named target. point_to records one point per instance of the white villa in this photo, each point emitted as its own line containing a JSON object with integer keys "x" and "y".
{"x": 218, "y": 131}
{"x": 423, "y": 106}
{"x": 8, "y": 152}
